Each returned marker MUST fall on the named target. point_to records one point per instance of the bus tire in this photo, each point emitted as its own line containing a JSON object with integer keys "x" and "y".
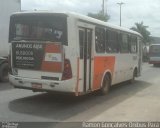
{"x": 155, "y": 65}
{"x": 4, "y": 72}
{"x": 106, "y": 85}
{"x": 133, "y": 77}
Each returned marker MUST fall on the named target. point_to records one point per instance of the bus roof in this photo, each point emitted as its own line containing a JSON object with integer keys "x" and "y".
{"x": 84, "y": 18}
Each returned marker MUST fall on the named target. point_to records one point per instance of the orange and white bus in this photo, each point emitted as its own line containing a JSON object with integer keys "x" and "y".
{"x": 69, "y": 52}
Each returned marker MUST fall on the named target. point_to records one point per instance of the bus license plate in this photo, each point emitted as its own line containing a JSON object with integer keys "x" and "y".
{"x": 36, "y": 85}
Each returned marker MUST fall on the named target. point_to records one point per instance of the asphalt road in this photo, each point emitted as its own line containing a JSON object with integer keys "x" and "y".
{"x": 139, "y": 101}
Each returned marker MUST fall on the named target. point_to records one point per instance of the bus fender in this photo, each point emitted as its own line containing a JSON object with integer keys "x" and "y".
{"x": 106, "y": 72}
{"x": 136, "y": 71}
{"x": 3, "y": 60}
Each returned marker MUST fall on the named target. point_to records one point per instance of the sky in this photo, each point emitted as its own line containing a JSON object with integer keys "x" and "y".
{"x": 133, "y": 11}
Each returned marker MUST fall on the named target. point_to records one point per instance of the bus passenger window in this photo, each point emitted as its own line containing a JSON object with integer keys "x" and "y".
{"x": 100, "y": 40}
{"x": 81, "y": 43}
{"x": 89, "y": 40}
{"x": 133, "y": 45}
{"x": 124, "y": 44}
{"x": 112, "y": 42}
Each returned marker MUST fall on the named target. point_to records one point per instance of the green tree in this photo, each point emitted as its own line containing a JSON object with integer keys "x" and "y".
{"x": 142, "y": 29}
{"x": 100, "y": 16}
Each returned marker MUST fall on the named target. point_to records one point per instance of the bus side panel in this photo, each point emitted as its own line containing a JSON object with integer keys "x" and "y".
{"x": 71, "y": 52}
{"x": 101, "y": 65}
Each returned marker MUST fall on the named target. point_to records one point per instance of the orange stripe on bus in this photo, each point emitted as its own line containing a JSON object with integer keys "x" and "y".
{"x": 101, "y": 64}
{"x": 77, "y": 85}
{"x": 53, "y": 48}
{"x": 51, "y": 66}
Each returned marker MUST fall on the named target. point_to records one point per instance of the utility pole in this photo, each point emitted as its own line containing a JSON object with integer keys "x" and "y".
{"x": 120, "y": 4}
{"x": 103, "y": 7}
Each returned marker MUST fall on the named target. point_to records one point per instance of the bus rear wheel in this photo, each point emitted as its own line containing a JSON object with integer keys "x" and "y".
{"x": 106, "y": 85}
{"x": 133, "y": 77}
{"x": 156, "y": 65}
{"x": 4, "y": 72}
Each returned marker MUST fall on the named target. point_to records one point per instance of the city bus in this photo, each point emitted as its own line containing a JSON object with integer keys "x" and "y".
{"x": 70, "y": 52}
{"x": 154, "y": 54}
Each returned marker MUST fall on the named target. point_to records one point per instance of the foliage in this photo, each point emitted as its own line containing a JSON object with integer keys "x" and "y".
{"x": 100, "y": 16}
{"x": 142, "y": 29}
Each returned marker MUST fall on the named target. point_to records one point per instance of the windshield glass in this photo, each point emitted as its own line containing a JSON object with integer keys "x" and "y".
{"x": 155, "y": 48}
{"x": 38, "y": 28}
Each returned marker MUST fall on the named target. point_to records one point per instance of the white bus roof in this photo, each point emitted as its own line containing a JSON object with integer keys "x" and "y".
{"x": 85, "y": 18}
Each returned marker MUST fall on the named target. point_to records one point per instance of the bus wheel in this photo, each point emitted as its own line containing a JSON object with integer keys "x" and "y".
{"x": 106, "y": 85}
{"x": 156, "y": 65}
{"x": 4, "y": 72}
{"x": 133, "y": 77}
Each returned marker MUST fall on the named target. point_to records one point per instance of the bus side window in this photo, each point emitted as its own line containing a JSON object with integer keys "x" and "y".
{"x": 81, "y": 43}
{"x": 115, "y": 45}
{"x": 119, "y": 41}
{"x": 133, "y": 44}
{"x": 100, "y": 40}
{"x": 129, "y": 43}
{"x": 112, "y": 42}
{"x": 124, "y": 44}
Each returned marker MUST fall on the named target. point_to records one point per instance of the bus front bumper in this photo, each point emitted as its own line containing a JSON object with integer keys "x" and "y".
{"x": 154, "y": 62}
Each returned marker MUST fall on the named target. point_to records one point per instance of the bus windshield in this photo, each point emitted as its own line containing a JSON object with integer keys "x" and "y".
{"x": 155, "y": 48}
{"x": 38, "y": 28}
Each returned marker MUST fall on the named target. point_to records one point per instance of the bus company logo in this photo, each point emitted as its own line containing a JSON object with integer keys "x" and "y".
{"x": 9, "y": 125}
{"x": 53, "y": 57}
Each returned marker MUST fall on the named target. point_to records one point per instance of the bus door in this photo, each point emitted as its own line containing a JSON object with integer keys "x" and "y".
{"x": 85, "y": 62}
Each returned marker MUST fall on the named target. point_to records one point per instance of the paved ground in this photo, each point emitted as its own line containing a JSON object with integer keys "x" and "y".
{"x": 5, "y": 86}
{"x": 126, "y": 102}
